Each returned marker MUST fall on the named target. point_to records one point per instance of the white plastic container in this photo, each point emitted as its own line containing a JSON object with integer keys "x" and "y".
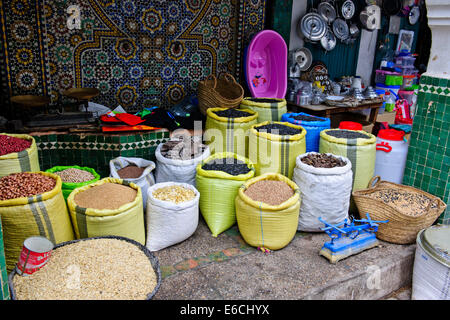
{"x": 391, "y": 153}
{"x": 431, "y": 272}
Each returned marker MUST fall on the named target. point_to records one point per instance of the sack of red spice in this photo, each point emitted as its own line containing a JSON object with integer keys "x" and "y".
{"x": 18, "y": 153}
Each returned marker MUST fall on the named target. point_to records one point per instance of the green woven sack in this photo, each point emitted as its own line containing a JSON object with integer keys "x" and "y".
{"x": 67, "y": 187}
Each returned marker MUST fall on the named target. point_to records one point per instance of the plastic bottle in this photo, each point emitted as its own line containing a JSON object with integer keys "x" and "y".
{"x": 389, "y": 102}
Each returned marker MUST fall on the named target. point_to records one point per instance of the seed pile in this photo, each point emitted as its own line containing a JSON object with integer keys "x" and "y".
{"x": 303, "y": 117}
{"x": 278, "y": 129}
{"x": 232, "y": 113}
{"x": 105, "y": 196}
{"x": 175, "y": 194}
{"x": 130, "y": 172}
{"x": 75, "y": 175}
{"x": 410, "y": 203}
{"x": 322, "y": 160}
{"x": 10, "y": 144}
{"x": 263, "y": 100}
{"x": 24, "y": 184}
{"x": 182, "y": 148}
{"x": 272, "y": 192}
{"x": 98, "y": 269}
{"x": 349, "y": 134}
{"x": 231, "y": 166}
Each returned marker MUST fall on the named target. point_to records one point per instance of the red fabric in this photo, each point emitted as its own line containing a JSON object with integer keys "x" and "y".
{"x": 105, "y": 118}
{"x": 129, "y": 119}
{"x": 127, "y": 128}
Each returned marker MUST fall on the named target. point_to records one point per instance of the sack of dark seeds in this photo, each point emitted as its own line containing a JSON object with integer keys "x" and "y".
{"x": 218, "y": 180}
{"x": 177, "y": 159}
{"x": 325, "y": 184}
{"x": 226, "y": 129}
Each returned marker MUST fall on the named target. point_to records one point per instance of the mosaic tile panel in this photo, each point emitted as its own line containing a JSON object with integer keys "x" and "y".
{"x": 428, "y": 162}
{"x": 95, "y": 151}
{"x": 137, "y": 53}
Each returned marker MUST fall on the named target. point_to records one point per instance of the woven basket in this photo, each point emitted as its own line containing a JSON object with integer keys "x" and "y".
{"x": 223, "y": 93}
{"x": 401, "y": 228}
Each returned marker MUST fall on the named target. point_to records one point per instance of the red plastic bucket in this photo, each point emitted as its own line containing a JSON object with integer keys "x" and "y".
{"x": 35, "y": 253}
{"x": 350, "y": 125}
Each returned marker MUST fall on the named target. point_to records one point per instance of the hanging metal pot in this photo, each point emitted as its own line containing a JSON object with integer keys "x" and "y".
{"x": 304, "y": 58}
{"x": 369, "y": 17}
{"x": 328, "y": 41}
{"x": 312, "y": 26}
{"x": 414, "y": 15}
{"x": 347, "y": 9}
{"x": 353, "y": 31}
{"x": 327, "y": 11}
{"x": 340, "y": 29}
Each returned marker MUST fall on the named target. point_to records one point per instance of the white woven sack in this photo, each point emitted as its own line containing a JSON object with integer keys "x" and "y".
{"x": 325, "y": 193}
{"x": 183, "y": 171}
{"x": 144, "y": 181}
{"x": 169, "y": 223}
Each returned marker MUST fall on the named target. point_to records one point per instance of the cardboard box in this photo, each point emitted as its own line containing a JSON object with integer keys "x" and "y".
{"x": 388, "y": 117}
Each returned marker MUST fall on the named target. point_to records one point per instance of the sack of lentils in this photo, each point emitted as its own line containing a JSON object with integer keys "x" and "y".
{"x": 274, "y": 146}
{"x": 18, "y": 153}
{"x": 136, "y": 170}
{"x": 32, "y": 204}
{"x": 108, "y": 207}
{"x": 325, "y": 184}
{"x": 218, "y": 180}
{"x": 177, "y": 159}
{"x": 172, "y": 214}
{"x": 73, "y": 177}
{"x": 267, "y": 209}
{"x": 226, "y": 130}
{"x": 112, "y": 268}
{"x": 268, "y": 109}
{"x": 313, "y": 125}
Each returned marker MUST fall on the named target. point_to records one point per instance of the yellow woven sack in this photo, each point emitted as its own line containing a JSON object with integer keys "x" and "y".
{"x": 126, "y": 221}
{"x": 228, "y": 134}
{"x": 218, "y": 191}
{"x": 268, "y": 109}
{"x": 361, "y": 153}
{"x": 24, "y": 161}
{"x": 263, "y": 225}
{"x": 275, "y": 153}
{"x": 44, "y": 215}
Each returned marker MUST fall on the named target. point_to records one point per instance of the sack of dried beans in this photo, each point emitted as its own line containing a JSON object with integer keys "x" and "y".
{"x": 177, "y": 159}
{"x": 18, "y": 153}
{"x": 274, "y": 146}
{"x": 267, "y": 209}
{"x": 108, "y": 207}
{"x": 73, "y": 177}
{"x": 268, "y": 109}
{"x": 325, "y": 184}
{"x": 226, "y": 130}
{"x": 32, "y": 204}
{"x": 218, "y": 180}
{"x": 136, "y": 170}
{"x": 172, "y": 214}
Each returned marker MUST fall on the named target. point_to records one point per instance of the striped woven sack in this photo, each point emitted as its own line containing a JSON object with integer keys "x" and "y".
{"x": 269, "y": 109}
{"x": 24, "y": 161}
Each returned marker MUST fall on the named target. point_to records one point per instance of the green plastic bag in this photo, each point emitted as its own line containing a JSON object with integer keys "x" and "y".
{"x": 218, "y": 191}
{"x": 67, "y": 187}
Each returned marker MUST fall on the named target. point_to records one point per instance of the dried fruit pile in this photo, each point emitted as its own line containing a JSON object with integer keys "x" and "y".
{"x": 410, "y": 203}
{"x": 130, "y": 172}
{"x": 105, "y": 196}
{"x": 24, "y": 184}
{"x": 322, "y": 160}
{"x": 231, "y": 166}
{"x": 10, "y": 144}
{"x": 272, "y": 192}
{"x": 75, "y": 175}
{"x": 348, "y": 134}
{"x": 279, "y": 129}
{"x": 303, "y": 117}
{"x": 232, "y": 113}
{"x": 175, "y": 194}
{"x": 107, "y": 269}
{"x": 182, "y": 148}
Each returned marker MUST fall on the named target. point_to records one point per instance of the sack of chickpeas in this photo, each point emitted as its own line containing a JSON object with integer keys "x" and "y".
{"x": 18, "y": 153}
{"x": 74, "y": 177}
{"x": 32, "y": 204}
{"x": 172, "y": 214}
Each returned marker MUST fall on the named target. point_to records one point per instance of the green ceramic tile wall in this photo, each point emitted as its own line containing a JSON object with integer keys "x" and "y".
{"x": 95, "y": 151}
{"x": 428, "y": 162}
